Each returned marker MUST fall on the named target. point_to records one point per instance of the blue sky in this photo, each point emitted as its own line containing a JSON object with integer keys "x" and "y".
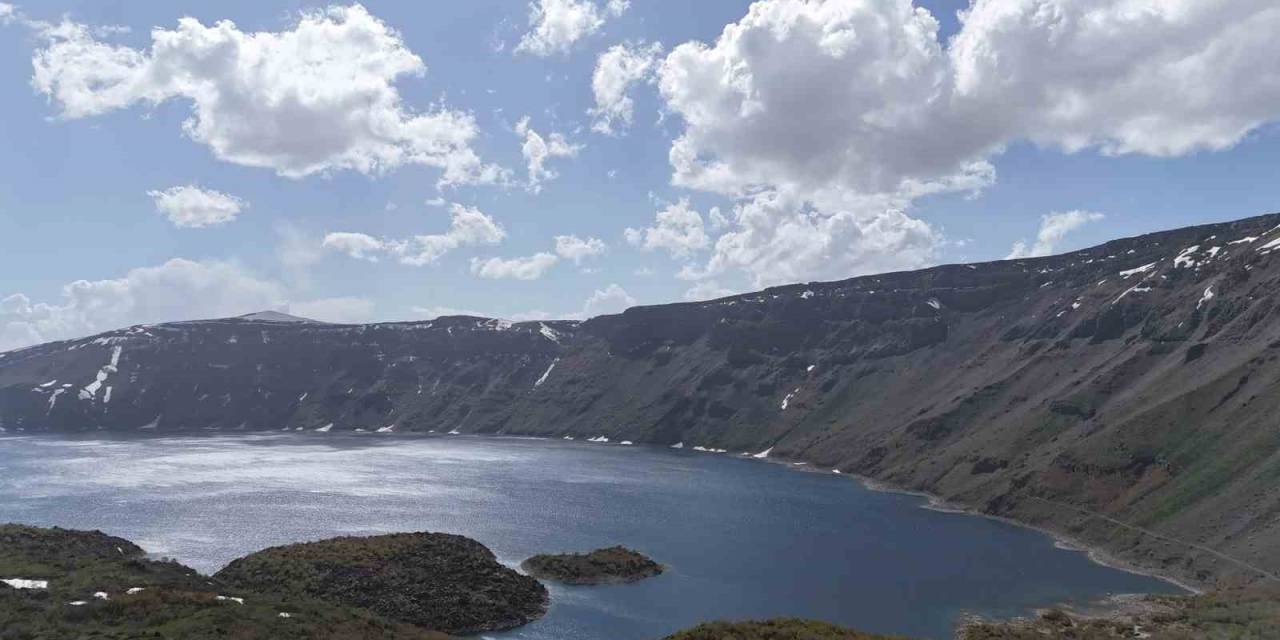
{"x": 1053, "y": 132}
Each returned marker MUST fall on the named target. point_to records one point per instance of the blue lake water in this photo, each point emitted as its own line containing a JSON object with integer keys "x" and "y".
{"x": 742, "y": 538}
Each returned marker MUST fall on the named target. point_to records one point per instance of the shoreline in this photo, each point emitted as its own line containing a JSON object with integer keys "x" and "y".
{"x": 932, "y": 502}
{"x": 1061, "y": 540}
{"x": 936, "y": 503}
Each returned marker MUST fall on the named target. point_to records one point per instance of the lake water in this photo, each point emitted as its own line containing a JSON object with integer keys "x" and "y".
{"x": 742, "y": 538}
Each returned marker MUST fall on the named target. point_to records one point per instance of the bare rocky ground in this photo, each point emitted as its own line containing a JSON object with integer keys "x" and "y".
{"x": 1230, "y": 614}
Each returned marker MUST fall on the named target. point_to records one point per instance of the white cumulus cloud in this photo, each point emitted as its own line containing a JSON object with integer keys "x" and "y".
{"x": 707, "y": 290}
{"x": 176, "y": 290}
{"x": 1162, "y": 78}
{"x": 826, "y": 120}
{"x": 1054, "y": 227}
{"x": 678, "y": 229}
{"x": 343, "y": 310}
{"x": 468, "y": 227}
{"x": 537, "y": 150}
{"x": 557, "y": 24}
{"x": 318, "y": 97}
{"x": 611, "y": 299}
{"x": 527, "y": 268}
{"x": 192, "y": 207}
{"x": 777, "y": 240}
{"x": 617, "y": 70}
{"x": 571, "y": 247}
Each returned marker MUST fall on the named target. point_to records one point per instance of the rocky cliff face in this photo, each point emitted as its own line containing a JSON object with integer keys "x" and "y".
{"x": 1125, "y": 395}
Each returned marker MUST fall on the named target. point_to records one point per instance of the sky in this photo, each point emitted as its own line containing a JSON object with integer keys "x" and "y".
{"x": 393, "y": 161}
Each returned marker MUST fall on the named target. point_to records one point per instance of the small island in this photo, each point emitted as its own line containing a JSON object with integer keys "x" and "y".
{"x": 781, "y": 629}
{"x": 436, "y": 581}
{"x": 602, "y": 566}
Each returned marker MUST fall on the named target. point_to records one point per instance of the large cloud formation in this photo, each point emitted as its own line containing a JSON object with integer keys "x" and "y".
{"x": 319, "y": 97}
{"x": 826, "y": 120}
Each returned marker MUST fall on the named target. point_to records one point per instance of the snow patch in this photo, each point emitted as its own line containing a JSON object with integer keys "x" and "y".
{"x": 1143, "y": 269}
{"x": 545, "y": 374}
{"x": 787, "y": 400}
{"x": 326, "y": 429}
{"x": 1184, "y": 259}
{"x": 1137, "y": 288}
{"x": 763, "y": 454}
{"x": 53, "y": 398}
{"x": 1244, "y": 240}
{"x": 548, "y": 333}
{"x": 678, "y": 445}
{"x": 933, "y": 302}
{"x": 231, "y": 599}
{"x": 1208, "y": 295}
{"x": 1270, "y": 245}
{"x": 21, "y": 583}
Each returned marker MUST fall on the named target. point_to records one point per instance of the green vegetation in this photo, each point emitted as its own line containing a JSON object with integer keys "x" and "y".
{"x": 783, "y": 629}
{"x": 432, "y": 580}
{"x": 103, "y": 587}
{"x": 602, "y": 566}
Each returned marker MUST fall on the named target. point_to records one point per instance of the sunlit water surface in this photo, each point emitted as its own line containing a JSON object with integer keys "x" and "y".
{"x": 741, "y": 538}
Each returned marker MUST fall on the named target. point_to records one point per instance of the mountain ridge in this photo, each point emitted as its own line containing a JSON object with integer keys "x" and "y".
{"x": 1129, "y": 380}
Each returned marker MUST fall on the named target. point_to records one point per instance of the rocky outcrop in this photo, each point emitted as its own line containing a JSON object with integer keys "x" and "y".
{"x": 1122, "y": 395}
{"x": 602, "y": 566}
{"x": 431, "y": 580}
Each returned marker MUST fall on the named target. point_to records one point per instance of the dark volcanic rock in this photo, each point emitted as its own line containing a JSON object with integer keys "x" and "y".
{"x": 602, "y": 566}
{"x": 433, "y": 580}
{"x": 1133, "y": 380}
